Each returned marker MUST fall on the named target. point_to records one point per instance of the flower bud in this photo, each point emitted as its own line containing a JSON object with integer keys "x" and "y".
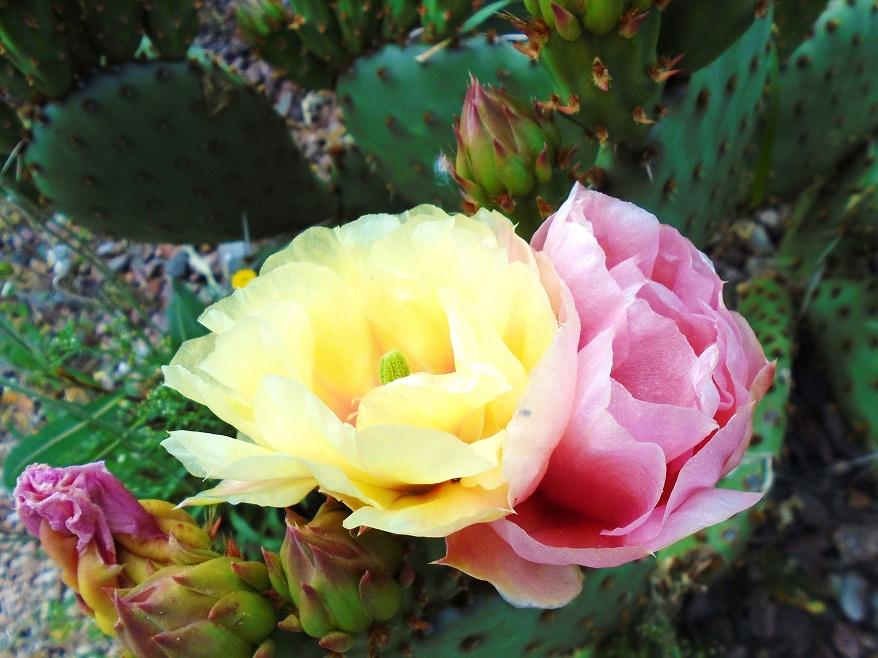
{"x": 339, "y": 584}
{"x": 216, "y": 608}
{"x": 100, "y": 536}
{"x": 507, "y": 153}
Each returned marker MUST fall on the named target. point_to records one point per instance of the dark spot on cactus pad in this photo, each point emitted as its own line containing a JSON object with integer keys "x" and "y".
{"x": 163, "y": 125}
{"x": 803, "y": 61}
{"x": 89, "y": 105}
{"x": 127, "y": 92}
{"x": 702, "y": 98}
{"x": 732, "y": 83}
{"x": 470, "y": 642}
{"x": 532, "y": 647}
{"x": 548, "y": 616}
{"x": 121, "y": 142}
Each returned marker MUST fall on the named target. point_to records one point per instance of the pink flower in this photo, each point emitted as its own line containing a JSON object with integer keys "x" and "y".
{"x": 86, "y": 502}
{"x": 667, "y": 382}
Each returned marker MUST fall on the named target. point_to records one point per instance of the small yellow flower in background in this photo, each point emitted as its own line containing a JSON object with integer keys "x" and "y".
{"x": 242, "y": 277}
{"x": 411, "y": 366}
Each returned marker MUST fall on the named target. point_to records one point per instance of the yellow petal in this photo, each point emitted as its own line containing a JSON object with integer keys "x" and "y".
{"x": 444, "y": 509}
{"x": 267, "y": 493}
{"x": 400, "y": 454}
{"x": 442, "y": 402}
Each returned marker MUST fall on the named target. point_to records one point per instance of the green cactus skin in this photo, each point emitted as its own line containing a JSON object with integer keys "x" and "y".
{"x": 33, "y": 43}
{"x": 767, "y": 305}
{"x": 441, "y": 18}
{"x": 400, "y": 110}
{"x": 11, "y": 129}
{"x": 691, "y": 173}
{"x": 13, "y": 82}
{"x": 842, "y": 317}
{"x": 794, "y": 20}
{"x": 702, "y": 30}
{"x": 265, "y": 26}
{"x": 116, "y": 27}
{"x": 360, "y": 188}
{"x": 69, "y": 18}
{"x": 171, "y": 26}
{"x": 399, "y": 17}
{"x": 173, "y": 151}
{"x": 835, "y": 225}
{"x": 828, "y": 95}
{"x": 622, "y": 107}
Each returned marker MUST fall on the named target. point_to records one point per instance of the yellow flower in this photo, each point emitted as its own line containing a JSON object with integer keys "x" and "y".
{"x": 242, "y": 277}
{"x": 406, "y": 365}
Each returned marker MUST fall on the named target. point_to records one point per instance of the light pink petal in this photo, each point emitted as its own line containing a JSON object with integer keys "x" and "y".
{"x": 704, "y": 508}
{"x": 708, "y": 465}
{"x": 681, "y": 268}
{"x": 674, "y": 429}
{"x": 545, "y": 408}
{"x": 653, "y": 360}
{"x": 480, "y": 552}
{"x": 759, "y": 380}
{"x": 699, "y": 327}
{"x": 580, "y": 262}
{"x": 622, "y": 229}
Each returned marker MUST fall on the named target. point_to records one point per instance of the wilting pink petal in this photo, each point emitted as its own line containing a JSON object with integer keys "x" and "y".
{"x": 86, "y": 502}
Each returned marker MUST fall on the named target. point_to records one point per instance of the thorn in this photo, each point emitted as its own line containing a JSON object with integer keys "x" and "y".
{"x": 640, "y": 116}
{"x": 601, "y": 74}
{"x": 665, "y": 68}
{"x": 630, "y": 22}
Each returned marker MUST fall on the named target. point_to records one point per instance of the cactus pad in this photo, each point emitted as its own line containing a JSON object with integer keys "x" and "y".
{"x": 400, "y": 102}
{"x": 843, "y": 322}
{"x": 692, "y": 171}
{"x": 173, "y": 152}
{"x": 828, "y": 95}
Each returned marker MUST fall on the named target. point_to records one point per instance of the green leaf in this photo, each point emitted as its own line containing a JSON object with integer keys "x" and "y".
{"x": 67, "y": 439}
{"x": 183, "y": 312}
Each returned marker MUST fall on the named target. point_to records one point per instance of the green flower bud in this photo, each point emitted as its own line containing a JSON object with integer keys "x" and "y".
{"x": 216, "y": 608}
{"x": 507, "y": 154}
{"x": 339, "y": 584}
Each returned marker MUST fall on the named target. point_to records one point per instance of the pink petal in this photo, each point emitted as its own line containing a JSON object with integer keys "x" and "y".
{"x": 702, "y": 509}
{"x": 653, "y": 360}
{"x": 708, "y": 465}
{"x": 681, "y": 268}
{"x": 581, "y": 263}
{"x": 600, "y": 471}
{"x": 546, "y": 406}
{"x": 480, "y": 552}
{"x": 545, "y": 534}
{"x": 674, "y": 429}
{"x": 622, "y": 229}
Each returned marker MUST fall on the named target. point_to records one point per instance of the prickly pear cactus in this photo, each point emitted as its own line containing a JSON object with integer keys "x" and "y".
{"x": 603, "y": 56}
{"x": 842, "y": 317}
{"x": 794, "y": 20}
{"x": 406, "y": 129}
{"x": 692, "y": 169}
{"x": 828, "y": 95}
{"x": 173, "y": 151}
{"x": 835, "y": 225}
{"x": 689, "y": 28}
{"x": 767, "y": 305}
